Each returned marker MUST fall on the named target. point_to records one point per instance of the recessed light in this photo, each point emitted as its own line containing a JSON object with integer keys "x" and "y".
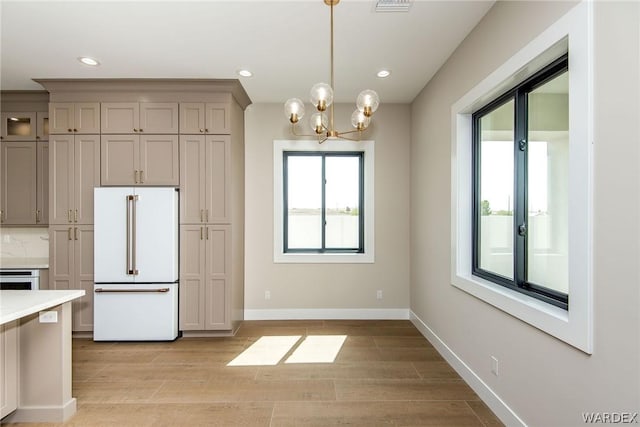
{"x": 88, "y": 61}
{"x": 245, "y": 73}
{"x": 383, "y": 73}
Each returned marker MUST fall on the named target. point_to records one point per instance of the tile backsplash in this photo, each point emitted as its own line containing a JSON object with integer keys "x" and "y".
{"x": 24, "y": 242}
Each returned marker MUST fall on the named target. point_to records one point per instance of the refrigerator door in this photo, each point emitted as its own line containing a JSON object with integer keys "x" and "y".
{"x": 156, "y": 239}
{"x": 138, "y": 312}
{"x": 110, "y": 238}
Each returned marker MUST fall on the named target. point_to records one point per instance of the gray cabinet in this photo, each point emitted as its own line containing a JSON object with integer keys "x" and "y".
{"x": 74, "y": 118}
{"x": 139, "y": 118}
{"x": 205, "y": 269}
{"x": 201, "y": 118}
{"x": 139, "y": 160}
{"x": 8, "y": 368}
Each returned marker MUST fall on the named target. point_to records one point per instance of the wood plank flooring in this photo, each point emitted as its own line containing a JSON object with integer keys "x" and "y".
{"x": 385, "y": 374}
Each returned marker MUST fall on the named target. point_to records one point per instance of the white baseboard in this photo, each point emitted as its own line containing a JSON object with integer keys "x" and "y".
{"x": 493, "y": 401}
{"x": 327, "y": 313}
{"x": 43, "y": 414}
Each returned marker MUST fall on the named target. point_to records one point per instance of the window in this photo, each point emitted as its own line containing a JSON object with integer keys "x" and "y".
{"x": 520, "y": 197}
{"x": 323, "y": 202}
{"x": 531, "y": 300}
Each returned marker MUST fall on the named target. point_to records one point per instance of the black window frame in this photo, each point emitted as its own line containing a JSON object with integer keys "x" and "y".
{"x": 519, "y": 95}
{"x": 285, "y": 200}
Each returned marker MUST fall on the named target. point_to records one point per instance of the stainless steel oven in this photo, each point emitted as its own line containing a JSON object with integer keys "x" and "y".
{"x": 19, "y": 279}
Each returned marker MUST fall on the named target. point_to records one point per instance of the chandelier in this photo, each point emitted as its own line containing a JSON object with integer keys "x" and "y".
{"x": 322, "y": 98}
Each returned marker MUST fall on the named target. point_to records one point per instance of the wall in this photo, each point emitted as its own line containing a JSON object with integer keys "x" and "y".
{"x": 541, "y": 379}
{"x": 335, "y": 287}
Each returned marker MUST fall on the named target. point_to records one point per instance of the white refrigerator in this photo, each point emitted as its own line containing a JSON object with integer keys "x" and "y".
{"x": 136, "y": 264}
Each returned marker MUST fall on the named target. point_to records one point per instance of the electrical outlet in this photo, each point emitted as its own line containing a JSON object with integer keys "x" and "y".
{"x": 267, "y": 294}
{"x": 379, "y": 294}
{"x": 48, "y": 317}
{"x": 494, "y": 366}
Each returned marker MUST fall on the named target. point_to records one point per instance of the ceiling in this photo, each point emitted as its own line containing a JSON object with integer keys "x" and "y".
{"x": 284, "y": 43}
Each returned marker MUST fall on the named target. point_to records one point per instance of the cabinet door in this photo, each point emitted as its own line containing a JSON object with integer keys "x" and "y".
{"x": 61, "y": 257}
{"x": 192, "y": 178}
{"x": 120, "y": 117}
{"x": 86, "y": 176}
{"x": 8, "y": 368}
{"x": 86, "y": 118}
{"x": 217, "y": 294}
{"x": 120, "y": 156}
{"x": 18, "y": 126}
{"x": 159, "y": 162}
{"x": 61, "y": 179}
{"x": 42, "y": 126}
{"x": 42, "y": 183}
{"x": 218, "y": 155}
{"x": 217, "y": 118}
{"x": 19, "y": 182}
{"x": 192, "y": 118}
{"x": 83, "y": 277}
{"x": 192, "y": 271}
{"x": 159, "y": 117}
{"x": 61, "y": 117}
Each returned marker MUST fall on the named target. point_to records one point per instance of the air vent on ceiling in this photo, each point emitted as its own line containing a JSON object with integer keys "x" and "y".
{"x": 393, "y": 5}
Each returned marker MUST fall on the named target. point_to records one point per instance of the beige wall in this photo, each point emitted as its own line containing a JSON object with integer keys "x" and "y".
{"x": 329, "y": 286}
{"x": 543, "y": 380}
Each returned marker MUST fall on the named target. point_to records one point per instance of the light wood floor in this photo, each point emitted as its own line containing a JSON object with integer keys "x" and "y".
{"x": 386, "y": 373}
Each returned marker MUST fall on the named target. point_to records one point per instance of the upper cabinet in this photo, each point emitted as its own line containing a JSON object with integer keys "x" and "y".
{"x": 139, "y": 160}
{"x": 205, "y": 118}
{"x": 74, "y": 117}
{"x": 42, "y": 126}
{"x": 143, "y": 117}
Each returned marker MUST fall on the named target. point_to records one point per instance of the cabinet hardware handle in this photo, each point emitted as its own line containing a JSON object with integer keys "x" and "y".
{"x": 141, "y": 177}
{"x": 135, "y": 130}
{"x": 75, "y": 216}
{"x": 37, "y": 216}
{"x": 207, "y": 232}
{"x": 201, "y": 215}
{"x": 140, "y": 130}
{"x": 207, "y": 215}
{"x": 69, "y": 233}
{"x": 201, "y": 236}
{"x": 1, "y": 215}
{"x": 75, "y": 233}
{"x": 75, "y": 130}
{"x": 135, "y": 176}
{"x": 69, "y": 130}
{"x": 201, "y": 130}
{"x": 37, "y": 137}
{"x": 206, "y": 130}
{"x": 69, "y": 215}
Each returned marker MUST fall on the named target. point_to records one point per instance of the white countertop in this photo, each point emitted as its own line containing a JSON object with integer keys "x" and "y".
{"x": 25, "y": 263}
{"x": 17, "y": 304}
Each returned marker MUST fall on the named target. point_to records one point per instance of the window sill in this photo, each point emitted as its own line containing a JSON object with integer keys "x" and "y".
{"x": 313, "y": 258}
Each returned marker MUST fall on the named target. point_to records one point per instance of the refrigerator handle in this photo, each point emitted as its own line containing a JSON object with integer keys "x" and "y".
{"x": 131, "y": 234}
{"x": 134, "y": 200}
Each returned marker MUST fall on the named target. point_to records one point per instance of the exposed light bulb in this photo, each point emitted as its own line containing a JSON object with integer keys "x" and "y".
{"x": 321, "y": 96}
{"x": 294, "y": 109}
{"x": 368, "y": 102}
{"x": 317, "y": 123}
{"x": 359, "y": 120}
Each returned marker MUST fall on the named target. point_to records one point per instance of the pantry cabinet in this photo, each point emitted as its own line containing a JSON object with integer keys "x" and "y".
{"x": 71, "y": 267}
{"x": 205, "y": 118}
{"x": 205, "y": 269}
{"x": 205, "y": 178}
{"x": 74, "y": 118}
{"x": 75, "y": 171}
{"x": 139, "y": 160}
{"x": 144, "y": 117}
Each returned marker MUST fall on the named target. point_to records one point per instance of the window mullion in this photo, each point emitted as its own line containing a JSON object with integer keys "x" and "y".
{"x": 520, "y": 190}
{"x": 285, "y": 201}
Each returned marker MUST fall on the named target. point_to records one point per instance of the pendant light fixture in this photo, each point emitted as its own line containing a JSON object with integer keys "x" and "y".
{"x": 322, "y": 99}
